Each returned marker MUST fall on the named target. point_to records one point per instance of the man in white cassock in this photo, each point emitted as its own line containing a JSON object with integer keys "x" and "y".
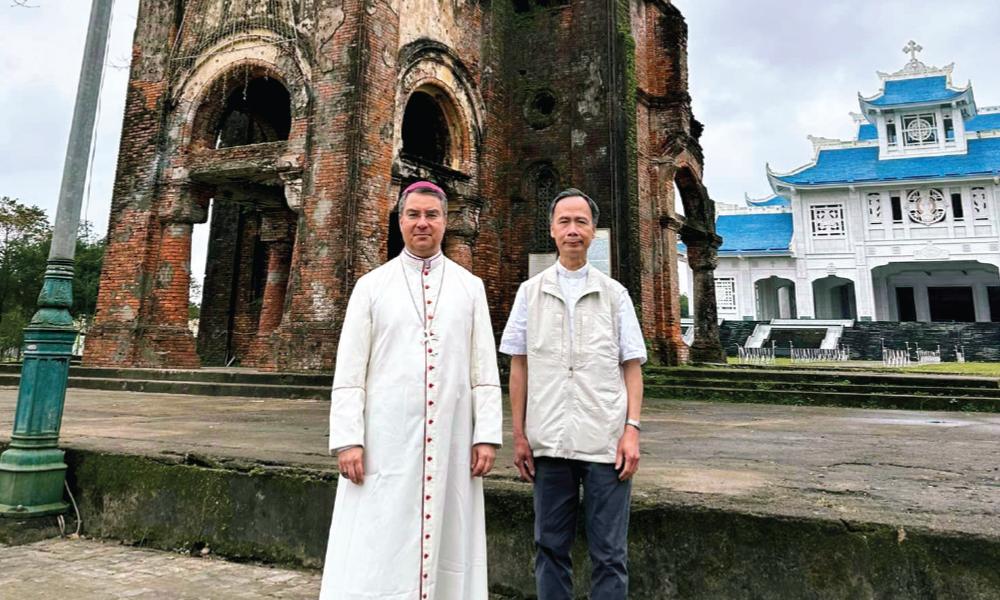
{"x": 415, "y": 421}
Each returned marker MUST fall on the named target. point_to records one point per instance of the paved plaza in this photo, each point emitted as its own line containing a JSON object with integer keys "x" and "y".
{"x": 92, "y": 570}
{"x": 939, "y": 470}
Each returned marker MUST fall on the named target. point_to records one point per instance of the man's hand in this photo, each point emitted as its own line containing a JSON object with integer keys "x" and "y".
{"x": 483, "y": 456}
{"x": 627, "y": 457}
{"x": 523, "y": 459}
{"x": 352, "y": 464}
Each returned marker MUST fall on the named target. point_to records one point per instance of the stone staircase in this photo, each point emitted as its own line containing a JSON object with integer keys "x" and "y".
{"x": 824, "y": 388}
{"x": 722, "y": 384}
{"x": 200, "y": 382}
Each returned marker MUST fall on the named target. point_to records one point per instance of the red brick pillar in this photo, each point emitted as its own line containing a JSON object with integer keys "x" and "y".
{"x": 460, "y": 237}
{"x": 703, "y": 259}
{"x": 169, "y": 341}
{"x": 279, "y": 261}
{"x": 670, "y": 342}
{"x": 278, "y": 231}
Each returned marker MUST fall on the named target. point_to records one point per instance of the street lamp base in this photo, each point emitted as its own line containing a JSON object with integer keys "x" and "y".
{"x": 31, "y": 482}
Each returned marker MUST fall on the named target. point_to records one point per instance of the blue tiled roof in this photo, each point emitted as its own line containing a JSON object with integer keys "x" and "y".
{"x": 867, "y": 131}
{"x": 855, "y": 165}
{"x": 774, "y": 200}
{"x": 757, "y": 233}
{"x": 922, "y": 89}
{"x": 983, "y": 122}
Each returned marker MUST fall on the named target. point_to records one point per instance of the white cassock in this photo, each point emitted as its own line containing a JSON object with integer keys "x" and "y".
{"x": 416, "y": 384}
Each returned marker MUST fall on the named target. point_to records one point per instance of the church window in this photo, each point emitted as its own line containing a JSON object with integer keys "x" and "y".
{"x": 725, "y": 293}
{"x": 925, "y": 207}
{"x": 827, "y": 220}
{"x": 979, "y": 205}
{"x": 874, "y": 208}
{"x": 949, "y": 128}
{"x": 897, "y": 208}
{"x": 920, "y": 130}
{"x": 957, "y": 212}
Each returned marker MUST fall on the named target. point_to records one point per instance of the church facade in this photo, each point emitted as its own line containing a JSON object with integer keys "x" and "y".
{"x": 898, "y": 224}
{"x": 290, "y": 126}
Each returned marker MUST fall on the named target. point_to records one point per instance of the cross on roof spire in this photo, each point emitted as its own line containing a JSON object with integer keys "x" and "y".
{"x": 912, "y": 48}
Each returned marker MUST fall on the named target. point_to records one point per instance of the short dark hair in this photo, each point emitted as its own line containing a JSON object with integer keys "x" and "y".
{"x": 573, "y": 193}
{"x": 401, "y": 205}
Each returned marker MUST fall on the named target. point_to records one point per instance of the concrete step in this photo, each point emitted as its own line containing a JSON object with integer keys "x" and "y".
{"x": 763, "y": 385}
{"x": 202, "y": 388}
{"x": 200, "y": 382}
{"x": 831, "y": 397}
{"x": 828, "y": 375}
{"x": 206, "y": 375}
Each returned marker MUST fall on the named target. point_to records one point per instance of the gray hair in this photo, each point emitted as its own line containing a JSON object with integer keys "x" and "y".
{"x": 574, "y": 193}
{"x": 401, "y": 204}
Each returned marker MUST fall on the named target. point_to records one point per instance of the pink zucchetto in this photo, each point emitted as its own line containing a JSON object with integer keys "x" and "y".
{"x": 423, "y": 184}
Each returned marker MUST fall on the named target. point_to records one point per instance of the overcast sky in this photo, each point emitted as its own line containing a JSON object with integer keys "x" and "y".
{"x": 764, "y": 74}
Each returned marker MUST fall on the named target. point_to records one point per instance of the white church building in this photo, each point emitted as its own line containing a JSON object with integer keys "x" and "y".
{"x": 898, "y": 224}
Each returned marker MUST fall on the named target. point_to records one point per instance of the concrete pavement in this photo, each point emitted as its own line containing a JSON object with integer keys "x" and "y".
{"x": 939, "y": 471}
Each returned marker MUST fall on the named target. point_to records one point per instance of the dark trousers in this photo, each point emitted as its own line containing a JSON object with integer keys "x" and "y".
{"x": 605, "y": 511}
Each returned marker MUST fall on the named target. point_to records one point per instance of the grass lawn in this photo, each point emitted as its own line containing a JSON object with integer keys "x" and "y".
{"x": 982, "y": 369}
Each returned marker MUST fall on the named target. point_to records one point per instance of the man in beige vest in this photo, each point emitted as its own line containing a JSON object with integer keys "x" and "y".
{"x": 576, "y": 393}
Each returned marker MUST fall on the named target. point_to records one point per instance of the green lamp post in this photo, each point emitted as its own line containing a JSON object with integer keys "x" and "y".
{"x": 32, "y": 470}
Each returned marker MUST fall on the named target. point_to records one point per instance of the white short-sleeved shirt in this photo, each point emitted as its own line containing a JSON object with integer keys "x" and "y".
{"x": 572, "y": 284}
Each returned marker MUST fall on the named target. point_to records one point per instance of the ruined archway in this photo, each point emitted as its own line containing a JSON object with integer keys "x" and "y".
{"x": 438, "y": 132}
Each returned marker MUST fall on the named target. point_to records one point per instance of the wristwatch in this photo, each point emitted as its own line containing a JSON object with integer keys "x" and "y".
{"x": 633, "y": 423}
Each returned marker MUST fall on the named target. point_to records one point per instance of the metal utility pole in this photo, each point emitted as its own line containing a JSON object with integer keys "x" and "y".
{"x": 32, "y": 470}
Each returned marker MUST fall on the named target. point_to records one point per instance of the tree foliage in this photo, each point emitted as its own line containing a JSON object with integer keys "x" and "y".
{"x": 25, "y": 237}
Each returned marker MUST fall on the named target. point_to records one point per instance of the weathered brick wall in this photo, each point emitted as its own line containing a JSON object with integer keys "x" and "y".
{"x": 533, "y": 90}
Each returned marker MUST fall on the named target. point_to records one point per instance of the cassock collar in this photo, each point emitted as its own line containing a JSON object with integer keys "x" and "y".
{"x": 417, "y": 263}
{"x": 580, "y": 273}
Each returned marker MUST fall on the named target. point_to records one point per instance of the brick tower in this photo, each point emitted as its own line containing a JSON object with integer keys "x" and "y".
{"x": 294, "y": 124}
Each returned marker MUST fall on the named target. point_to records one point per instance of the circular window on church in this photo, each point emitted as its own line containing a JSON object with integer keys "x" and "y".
{"x": 540, "y": 109}
{"x": 925, "y": 206}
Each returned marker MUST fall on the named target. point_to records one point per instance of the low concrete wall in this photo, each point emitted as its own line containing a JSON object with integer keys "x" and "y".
{"x": 276, "y": 514}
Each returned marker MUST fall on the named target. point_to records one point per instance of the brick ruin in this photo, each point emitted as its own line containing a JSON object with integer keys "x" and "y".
{"x": 299, "y": 121}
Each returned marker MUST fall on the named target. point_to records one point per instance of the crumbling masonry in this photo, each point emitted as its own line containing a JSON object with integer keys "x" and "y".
{"x": 298, "y": 122}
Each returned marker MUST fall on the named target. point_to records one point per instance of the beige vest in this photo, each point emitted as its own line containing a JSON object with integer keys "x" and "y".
{"x": 576, "y": 393}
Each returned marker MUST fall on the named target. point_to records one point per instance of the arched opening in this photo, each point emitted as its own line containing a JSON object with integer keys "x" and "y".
{"x": 426, "y": 135}
{"x": 775, "y": 298}
{"x": 256, "y": 112}
{"x": 242, "y": 257}
{"x": 937, "y": 291}
{"x": 833, "y": 298}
